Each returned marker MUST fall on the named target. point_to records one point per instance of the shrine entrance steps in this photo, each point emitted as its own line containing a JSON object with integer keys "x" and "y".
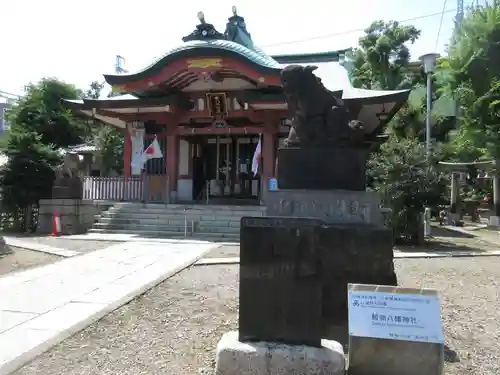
{"x": 200, "y": 222}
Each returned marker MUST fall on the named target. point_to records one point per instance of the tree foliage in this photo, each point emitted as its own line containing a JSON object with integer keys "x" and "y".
{"x": 408, "y": 183}
{"x": 109, "y": 140}
{"x": 399, "y": 169}
{"x": 94, "y": 90}
{"x": 40, "y": 126}
{"x": 40, "y": 111}
{"x": 382, "y": 59}
{"x": 28, "y": 175}
{"x": 474, "y": 63}
{"x": 109, "y": 144}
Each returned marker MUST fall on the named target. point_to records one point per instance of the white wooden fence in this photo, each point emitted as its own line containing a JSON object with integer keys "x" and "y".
{"x": 113, "y": 188}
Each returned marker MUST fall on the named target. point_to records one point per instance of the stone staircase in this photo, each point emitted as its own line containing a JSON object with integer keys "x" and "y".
{"x": 203, "y": 222}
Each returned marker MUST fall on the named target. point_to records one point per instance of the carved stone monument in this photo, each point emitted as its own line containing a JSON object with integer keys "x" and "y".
{"x": 280, "y": 281}
{"x": 321, "y": 175}
{"x": 323, "y": 230}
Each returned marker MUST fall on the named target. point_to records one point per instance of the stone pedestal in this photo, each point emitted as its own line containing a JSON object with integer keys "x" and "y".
{"x": 323, "y": 169}
{"x": 240, "y": 358}
{"x": 351, "y": 240}
{"x": 369, "y": 356}
{"x": 77, "y": 215}
{"x": 67, "y": 188}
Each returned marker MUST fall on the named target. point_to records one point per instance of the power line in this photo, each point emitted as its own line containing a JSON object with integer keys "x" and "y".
{"x": 440, "y": 25}
{"x": 355, "y": 30}
{"x": 8, "y": 93}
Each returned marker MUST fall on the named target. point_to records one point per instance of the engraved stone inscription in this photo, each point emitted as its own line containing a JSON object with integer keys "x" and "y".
{"x": 280, "y": 280}
{"x": 339, "y": 210}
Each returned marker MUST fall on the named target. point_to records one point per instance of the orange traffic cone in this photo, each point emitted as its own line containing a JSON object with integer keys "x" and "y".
{"x": 56, "y": 225}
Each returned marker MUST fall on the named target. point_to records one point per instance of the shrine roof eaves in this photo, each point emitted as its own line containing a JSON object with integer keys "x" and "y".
{"x": 120, "y": 101}
{"x": 206, "y": 48}
{"x": 316, "y": 57}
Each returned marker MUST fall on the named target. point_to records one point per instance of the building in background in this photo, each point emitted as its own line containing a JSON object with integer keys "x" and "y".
{"x": 209, "y": 101}
{"x": 5, "y": 103}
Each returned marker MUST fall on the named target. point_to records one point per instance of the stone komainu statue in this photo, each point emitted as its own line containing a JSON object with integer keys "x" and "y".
{"x": 319, "y": 116}
{"x": 67, "y": 183}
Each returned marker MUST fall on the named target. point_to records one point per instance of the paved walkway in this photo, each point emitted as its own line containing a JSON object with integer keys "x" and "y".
{"x": 137, "y": 238}
{"x": 26, "y": 243}
{"x": 43, "y": 306}
{"x": 491, "y": 236}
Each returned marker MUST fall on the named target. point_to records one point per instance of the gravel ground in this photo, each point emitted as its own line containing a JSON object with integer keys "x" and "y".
{"x": 226, "y": 251}
{"x": 173, "y": 328}
{"x": 75, "y": 245}
{"x": 22, "y": 259}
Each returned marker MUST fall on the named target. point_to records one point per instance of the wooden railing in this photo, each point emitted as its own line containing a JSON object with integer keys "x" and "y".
{"x": 113, "y": 188}
{"x": 126, "y": 189}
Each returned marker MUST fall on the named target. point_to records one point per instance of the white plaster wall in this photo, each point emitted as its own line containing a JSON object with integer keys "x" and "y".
{"x": 183, "y": 157}
{"x": 185, "y": 190}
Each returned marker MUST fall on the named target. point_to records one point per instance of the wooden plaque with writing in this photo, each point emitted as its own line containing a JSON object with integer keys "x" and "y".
{"x": 280, "y": 281}
{"x": 217, "y": 104}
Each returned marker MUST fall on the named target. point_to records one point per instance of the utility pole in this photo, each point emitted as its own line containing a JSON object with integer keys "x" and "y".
{"x": 459, "y": 16}
{"x": 120, "y": 61}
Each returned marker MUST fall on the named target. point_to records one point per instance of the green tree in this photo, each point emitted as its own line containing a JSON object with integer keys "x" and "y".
{"x": 40, "y": 111}
{"x": 28, "y": 175}
{"x": 399, "y": 169}
{"x": 94, "y": 90}
{"x": 382, "y": 59}
{"x": 109, "y": 144}
{"x": 109, "y": 140}
{"x": 401, "y": 173}
{"x": 475, "y": 66}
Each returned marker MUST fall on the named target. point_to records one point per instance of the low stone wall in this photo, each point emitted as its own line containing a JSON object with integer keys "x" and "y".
{"x": 77, "y": 215}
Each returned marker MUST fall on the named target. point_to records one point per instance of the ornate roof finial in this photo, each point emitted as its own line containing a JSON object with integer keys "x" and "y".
{"x": 201, "y": 17}
{"x": 236, "y": 30}
{"x": 203, "y": 31}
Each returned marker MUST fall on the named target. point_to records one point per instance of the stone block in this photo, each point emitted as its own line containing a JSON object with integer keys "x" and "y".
{"x": 280, "y": 281}
{"x": 370, "y": 356}
{"x": 494, "y": 221}
{"x": 332, "y": 207}
{"x": 234, "y": 357}
{"x": 358, "y": 254}
{"x": 322, "y": 168}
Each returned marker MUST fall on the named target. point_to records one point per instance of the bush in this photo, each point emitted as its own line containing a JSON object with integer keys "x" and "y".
{"x": 408, "y": 183}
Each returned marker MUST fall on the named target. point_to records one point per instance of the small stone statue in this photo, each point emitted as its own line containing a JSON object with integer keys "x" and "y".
{"x": 67, "y": 183}
{"x": 319, "y": 117}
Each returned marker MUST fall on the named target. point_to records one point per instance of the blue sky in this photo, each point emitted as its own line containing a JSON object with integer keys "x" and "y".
{"x": 78, "y": 41}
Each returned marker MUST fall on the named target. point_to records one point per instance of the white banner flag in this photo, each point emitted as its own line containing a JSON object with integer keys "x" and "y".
{"x": 256, "y": 159}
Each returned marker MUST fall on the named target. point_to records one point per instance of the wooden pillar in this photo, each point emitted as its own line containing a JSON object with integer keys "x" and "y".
{"x": 268, "y": 155}
{"x": 172, "y": 163}
{"x": 127, "y": 154}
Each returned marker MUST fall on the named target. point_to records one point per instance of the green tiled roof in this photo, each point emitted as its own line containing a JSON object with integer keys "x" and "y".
{"x": 256, "y": 55}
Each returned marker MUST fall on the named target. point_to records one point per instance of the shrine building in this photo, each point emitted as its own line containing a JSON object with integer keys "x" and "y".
{"x": 208, "y": 102}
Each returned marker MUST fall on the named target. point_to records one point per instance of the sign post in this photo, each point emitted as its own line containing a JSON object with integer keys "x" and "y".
{"x": 394, "y": 330}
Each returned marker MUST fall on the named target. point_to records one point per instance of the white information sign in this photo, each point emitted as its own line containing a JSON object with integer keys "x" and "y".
{"x": 394, "y": 313}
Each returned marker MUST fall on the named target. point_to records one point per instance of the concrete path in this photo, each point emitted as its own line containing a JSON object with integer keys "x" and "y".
{"x": 397, "y": 255}
{"x": 43, "y": 306}
{"x": 120, "y": 237}
{"x": 30, "y": 245}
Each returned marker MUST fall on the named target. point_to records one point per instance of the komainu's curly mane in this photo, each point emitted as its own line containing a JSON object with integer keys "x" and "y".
{"x": 319, "y": 116}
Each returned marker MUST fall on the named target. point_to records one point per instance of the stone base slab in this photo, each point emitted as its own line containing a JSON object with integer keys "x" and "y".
{"x": 234, "y": 357}
{"x": 494, "y": 221}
